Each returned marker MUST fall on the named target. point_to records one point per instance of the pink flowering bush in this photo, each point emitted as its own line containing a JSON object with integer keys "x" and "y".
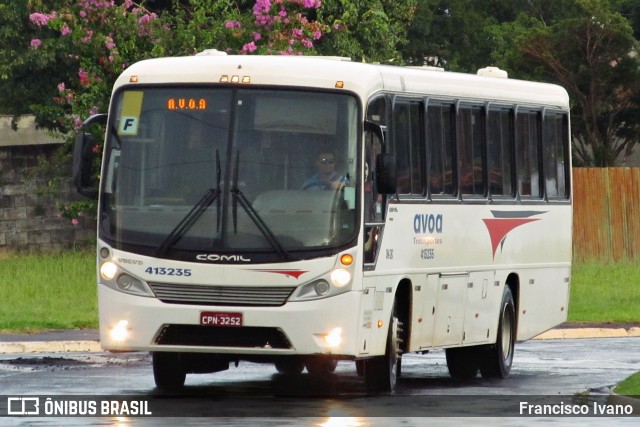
{"x": 99, "y": 39}
{"x": 279, "y": 27}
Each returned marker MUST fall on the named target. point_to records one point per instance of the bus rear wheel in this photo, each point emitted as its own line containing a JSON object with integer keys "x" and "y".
{"x": 169, "y": 372}
{"x": 462, "y": 362}
{"x": 497, "y": 359}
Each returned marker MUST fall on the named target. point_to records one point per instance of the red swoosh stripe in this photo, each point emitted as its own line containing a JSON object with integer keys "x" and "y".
{"x": 500, "y": 227}
{"x": 292, "y": 273}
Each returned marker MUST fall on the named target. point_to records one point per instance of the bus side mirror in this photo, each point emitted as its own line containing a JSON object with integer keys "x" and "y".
{"x": 386, "y": 175}
{"x": 84, "y": 157}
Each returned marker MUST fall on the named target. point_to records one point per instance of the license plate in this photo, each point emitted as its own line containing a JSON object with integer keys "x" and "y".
{"x": 208, "y": 318}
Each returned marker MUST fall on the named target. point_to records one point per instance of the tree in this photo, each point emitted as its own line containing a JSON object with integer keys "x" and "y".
{"x": 590, "y": 50}
{"x": 455, "y": 33}
{"x": 26, "y": 76}
{"x": 369, "y": 30}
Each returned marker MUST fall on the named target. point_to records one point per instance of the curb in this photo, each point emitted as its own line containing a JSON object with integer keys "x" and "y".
{"x": 92, "y": 346}
{"x": 49, "y": 347}
{"x": 575, "y": 333}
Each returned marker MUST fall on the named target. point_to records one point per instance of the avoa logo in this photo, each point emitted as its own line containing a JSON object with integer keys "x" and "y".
{"x": 427, "y": 223}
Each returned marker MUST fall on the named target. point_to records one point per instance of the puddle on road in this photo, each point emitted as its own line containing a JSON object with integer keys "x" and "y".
{"x": 53, "y": 363}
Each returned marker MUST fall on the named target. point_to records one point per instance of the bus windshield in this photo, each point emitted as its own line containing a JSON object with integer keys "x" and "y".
{"x": 231, "y": 174}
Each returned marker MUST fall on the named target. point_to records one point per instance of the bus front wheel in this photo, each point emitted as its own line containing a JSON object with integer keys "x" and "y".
{"x": 168, "y": 370}
{"x": 497, "y": 359}
{"x": 381, "y": 373}
{"x": 321, "y": 365}
{"x": 290, "y": 366}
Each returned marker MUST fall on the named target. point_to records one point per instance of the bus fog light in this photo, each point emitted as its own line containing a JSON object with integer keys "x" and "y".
{"x": 340, "y": 277}
{"x": 108, "y": 270}
{"x": 334, "y": 338}
{"x": 120, "y": 332}
{"x": 322, "y": 287}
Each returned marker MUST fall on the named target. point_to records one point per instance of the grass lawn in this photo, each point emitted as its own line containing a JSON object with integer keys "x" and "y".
{"x": 40, "y": 292}
{"x": 630, "y": 386}
{"x": 605, "y": 292}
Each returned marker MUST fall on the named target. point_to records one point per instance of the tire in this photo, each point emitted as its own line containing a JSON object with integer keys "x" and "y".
{"x": 462, "y": 362}
{"x": 168, "y": 371}
{"x": 497, "y": 359}
{"x": 292, "y": 366}
{"x": 381, "y": 373}
{"x": 321, "y": 366}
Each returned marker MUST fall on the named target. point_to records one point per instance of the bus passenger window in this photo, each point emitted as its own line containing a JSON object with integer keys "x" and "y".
{"x": 527, "y": 154}
{"x": 499, "y": 143}
{"x": 440, "y": 154}
{"x": 470, "y": 150}
{"x": 553, "y": 145}
{"x": 409, "y": 151}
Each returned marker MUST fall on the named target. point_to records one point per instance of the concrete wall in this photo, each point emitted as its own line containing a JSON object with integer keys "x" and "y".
{"x": 29, "y": 217}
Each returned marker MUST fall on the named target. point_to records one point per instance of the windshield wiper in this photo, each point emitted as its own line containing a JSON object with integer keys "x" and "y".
{"x": 192, "y": 216}
{"x": 239, "y": 197}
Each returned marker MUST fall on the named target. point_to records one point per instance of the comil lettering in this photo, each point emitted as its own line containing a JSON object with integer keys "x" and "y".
{"x": 427, "y": 223}
{"x": 222, "y": 258}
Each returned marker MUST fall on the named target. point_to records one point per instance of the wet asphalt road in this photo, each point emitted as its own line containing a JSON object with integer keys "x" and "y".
{"x": 254, "y": 394}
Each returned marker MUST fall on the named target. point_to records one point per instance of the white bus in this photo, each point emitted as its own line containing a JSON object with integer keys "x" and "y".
{"x": 301, "y": 211}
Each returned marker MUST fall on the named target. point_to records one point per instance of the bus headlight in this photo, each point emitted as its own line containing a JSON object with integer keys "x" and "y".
{"x": 108, "y": 270}
{"x": 113, "y": 277}
{"x": 340, "y": 277}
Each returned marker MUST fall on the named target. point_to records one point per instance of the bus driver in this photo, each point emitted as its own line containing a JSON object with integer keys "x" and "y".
{"x": 326, "y": 177}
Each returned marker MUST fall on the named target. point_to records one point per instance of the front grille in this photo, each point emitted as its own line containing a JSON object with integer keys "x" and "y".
{"x": 221, "y": 295}
{"x": 208, "y": 336}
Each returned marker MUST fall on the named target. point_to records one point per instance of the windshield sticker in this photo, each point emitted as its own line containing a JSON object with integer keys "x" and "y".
{"x": 130, "y": 114}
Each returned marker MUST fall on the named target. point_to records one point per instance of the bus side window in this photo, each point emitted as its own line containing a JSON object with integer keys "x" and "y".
{"x": 373, "y": 201}
{"x": 470, "y": 134}
{"x": 409, "y": 146}
{"x": 527, "y": 153}
{"x": 440, "y": 154}
{"x": 499, "y": 143}
{"x": 553, "y": 146}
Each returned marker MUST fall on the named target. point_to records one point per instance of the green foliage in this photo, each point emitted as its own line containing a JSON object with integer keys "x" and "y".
{"x": 369, "y": 30}
{"x": 196, "y": 25}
